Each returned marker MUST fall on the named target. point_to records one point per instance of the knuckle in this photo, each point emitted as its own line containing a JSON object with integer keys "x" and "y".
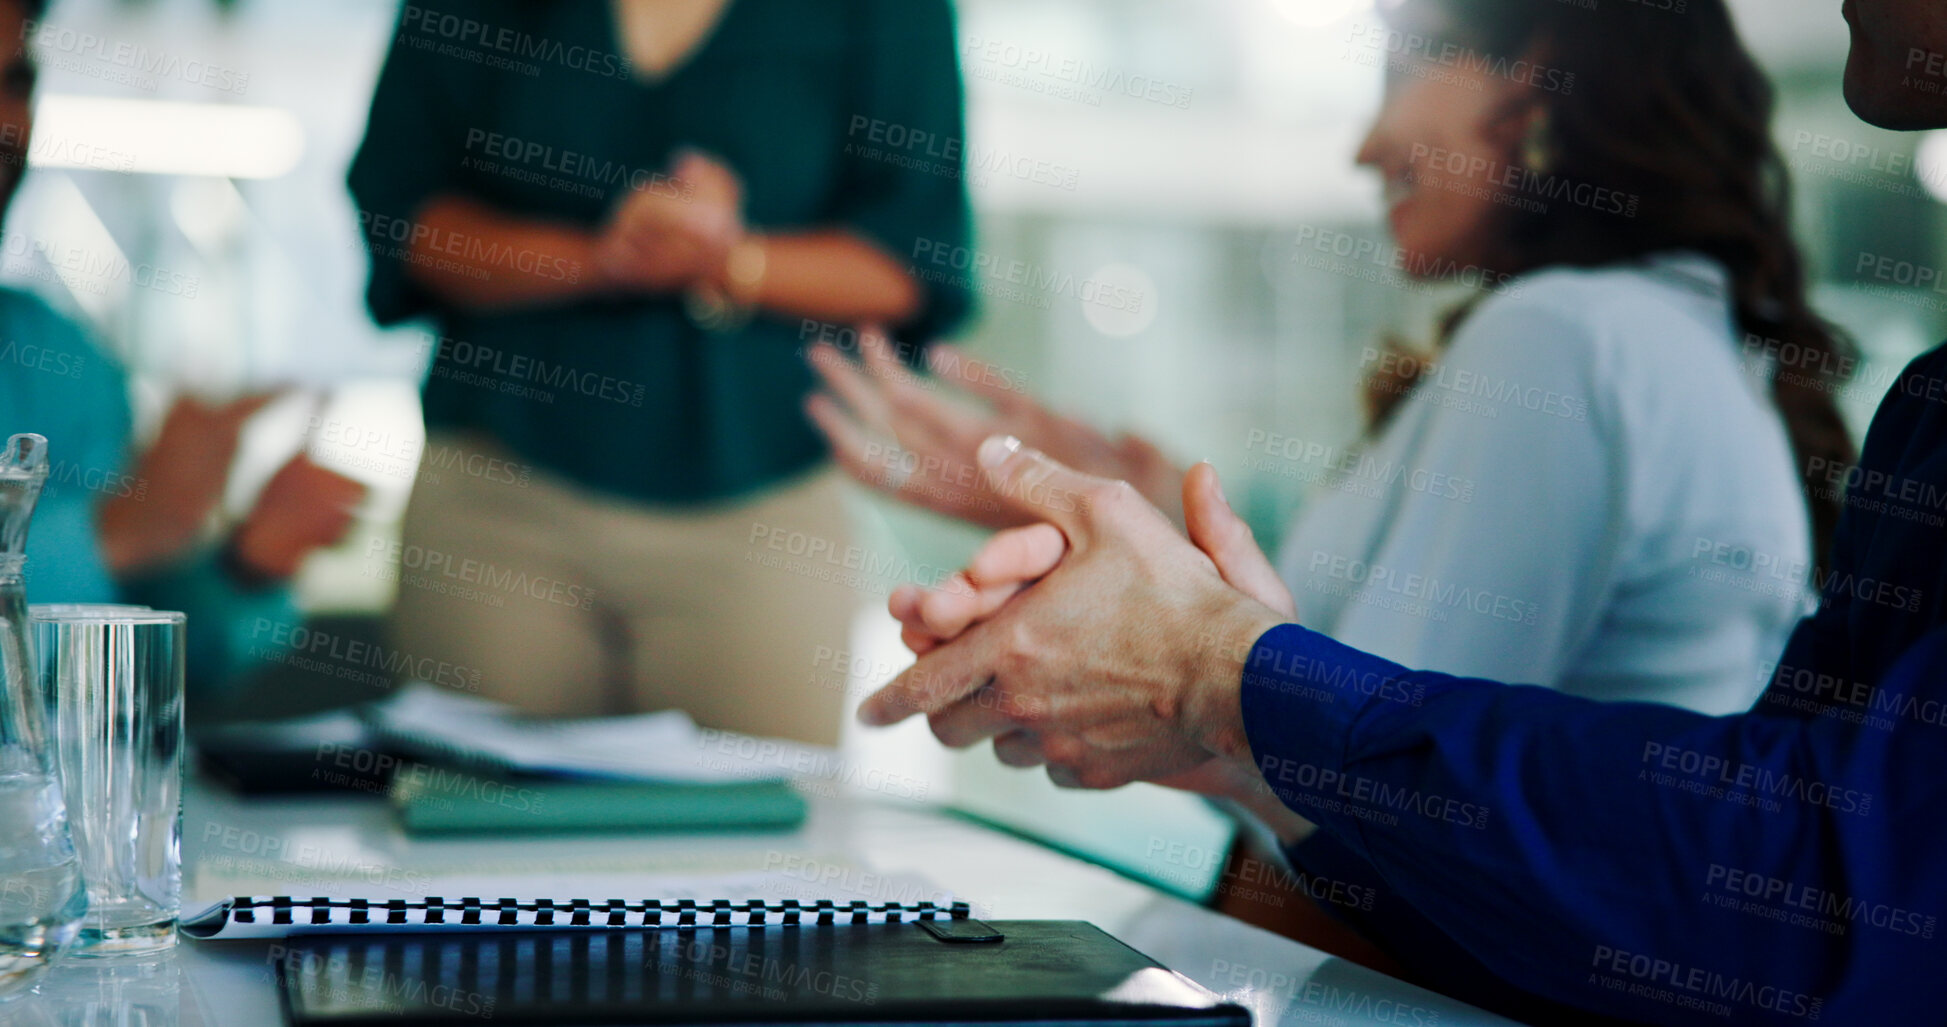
{"x": 1016, "y": 662}
{"x": 1020, "y": 642}
{"x": 1027, "y": 711}
{"x": 1109, "y": 498}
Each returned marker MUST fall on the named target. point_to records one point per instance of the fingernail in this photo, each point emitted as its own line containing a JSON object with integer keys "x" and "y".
{"x": 996, "y": 449}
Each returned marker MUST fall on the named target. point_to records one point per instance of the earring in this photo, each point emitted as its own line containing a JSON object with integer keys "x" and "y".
{"x": 1538, "y": 146}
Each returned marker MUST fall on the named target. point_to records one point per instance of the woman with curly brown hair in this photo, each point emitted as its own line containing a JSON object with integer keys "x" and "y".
{"x": 1590, "y": 484}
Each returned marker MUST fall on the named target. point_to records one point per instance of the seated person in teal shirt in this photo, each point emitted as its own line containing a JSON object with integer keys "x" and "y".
{"x": 116, "y": 526}
{"x": 114, "y": 529}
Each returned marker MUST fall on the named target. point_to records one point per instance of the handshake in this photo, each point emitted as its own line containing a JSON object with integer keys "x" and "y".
{"x": 1097, "y": 641}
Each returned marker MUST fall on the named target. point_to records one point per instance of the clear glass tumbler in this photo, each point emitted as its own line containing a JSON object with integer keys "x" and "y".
{"x": 41, "y": 897}
{"x": 113, "y": 678}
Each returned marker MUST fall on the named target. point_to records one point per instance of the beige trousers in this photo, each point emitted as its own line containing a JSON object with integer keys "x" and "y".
{"x": 527, "y": 589}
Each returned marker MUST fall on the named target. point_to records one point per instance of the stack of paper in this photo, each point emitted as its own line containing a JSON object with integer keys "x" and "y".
{"x": 489, "y": 768}
{"x": 435, "y": 723}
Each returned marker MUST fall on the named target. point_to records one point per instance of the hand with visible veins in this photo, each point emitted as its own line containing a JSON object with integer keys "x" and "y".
{"x": 1015, "y": 559}
{"x": 1121, "y": 660}
{"x": 916, "y": 439}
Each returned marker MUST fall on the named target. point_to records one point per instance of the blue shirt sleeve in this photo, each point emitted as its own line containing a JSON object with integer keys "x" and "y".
{"x": 1887, "y": 585}
{"x": 1636, "y": 859}
{"x": 55, "y": 382}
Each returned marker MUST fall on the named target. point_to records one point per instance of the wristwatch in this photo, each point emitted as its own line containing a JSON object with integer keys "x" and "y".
{"x": 731, "y": 306}
{"x": 745, "y": 270}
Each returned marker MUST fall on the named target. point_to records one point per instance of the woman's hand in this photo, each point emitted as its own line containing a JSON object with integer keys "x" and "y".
{"x": 916, "y": 438}
{"x": 672, "y": 235}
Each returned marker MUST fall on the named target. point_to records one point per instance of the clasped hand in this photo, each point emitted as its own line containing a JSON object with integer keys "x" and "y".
{"x": 1101, "y": 643}
{"x": 676, "y": 233}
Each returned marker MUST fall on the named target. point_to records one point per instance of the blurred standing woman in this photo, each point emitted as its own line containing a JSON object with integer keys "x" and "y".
{"x": 619, "y": 218}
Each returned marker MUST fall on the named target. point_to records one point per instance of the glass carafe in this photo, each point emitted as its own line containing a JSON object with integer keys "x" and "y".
{"x": 42, "y": 897}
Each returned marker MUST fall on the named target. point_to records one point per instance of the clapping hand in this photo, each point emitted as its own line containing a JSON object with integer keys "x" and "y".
{"x": 916, "y": 438}
{"x": 1111, "y": 654}
{"x": 1014, "y": 560}
{"x": 671, "y": 235}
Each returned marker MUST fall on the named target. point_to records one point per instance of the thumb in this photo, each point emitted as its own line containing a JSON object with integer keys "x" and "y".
{"x": 1226, "y": 539}
{"x": 1036, "y": 486}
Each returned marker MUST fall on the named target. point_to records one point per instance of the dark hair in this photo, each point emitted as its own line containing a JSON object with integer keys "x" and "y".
{"x": 1666, "y": 108}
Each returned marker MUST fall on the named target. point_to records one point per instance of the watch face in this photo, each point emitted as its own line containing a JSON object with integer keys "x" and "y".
{"x": 748, "y": 262}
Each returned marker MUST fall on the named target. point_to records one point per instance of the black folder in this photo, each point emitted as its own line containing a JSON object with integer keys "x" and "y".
{"x": 927, "y": 972}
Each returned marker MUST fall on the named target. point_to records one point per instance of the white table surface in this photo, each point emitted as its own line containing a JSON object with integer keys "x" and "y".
{"x": 853, "y": 848}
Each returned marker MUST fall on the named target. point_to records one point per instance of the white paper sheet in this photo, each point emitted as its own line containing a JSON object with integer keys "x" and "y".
{"x": 434, "y": 722}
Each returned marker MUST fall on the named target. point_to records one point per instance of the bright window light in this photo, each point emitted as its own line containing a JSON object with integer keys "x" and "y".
{"x": 164, "y": 137}
{"x": 1314, "y": 14}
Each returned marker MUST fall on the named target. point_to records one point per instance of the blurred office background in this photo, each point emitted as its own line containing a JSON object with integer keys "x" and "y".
{"x": 189, "y": 204}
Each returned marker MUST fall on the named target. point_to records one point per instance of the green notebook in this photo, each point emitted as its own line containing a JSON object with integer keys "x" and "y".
{"x": 436, "y": 799}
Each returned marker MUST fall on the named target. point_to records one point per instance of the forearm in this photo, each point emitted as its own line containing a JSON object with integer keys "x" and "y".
{"x": 476, "y": 258}
{"x": 1552, "y": 836}
{"x": 835, "y": 276}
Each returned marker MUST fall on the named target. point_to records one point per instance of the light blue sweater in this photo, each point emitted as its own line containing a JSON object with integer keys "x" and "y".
{"x": 1591, "y": 492}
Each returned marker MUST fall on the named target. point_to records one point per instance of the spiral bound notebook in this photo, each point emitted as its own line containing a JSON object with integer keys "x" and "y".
{"x": 828, "y": 969}
{"x": 282, "y": 916}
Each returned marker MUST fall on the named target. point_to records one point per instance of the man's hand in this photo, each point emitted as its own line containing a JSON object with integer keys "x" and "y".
{"x": 304, "y": 507}
{"x": 1123, "y": 663}
{"x": 1008, "y": 563}
{"x": 1018, "y": 557}
{"x": 916, "y": 439}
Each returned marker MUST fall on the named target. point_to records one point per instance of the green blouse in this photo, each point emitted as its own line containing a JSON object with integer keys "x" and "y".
{"x": 531, "y": 107}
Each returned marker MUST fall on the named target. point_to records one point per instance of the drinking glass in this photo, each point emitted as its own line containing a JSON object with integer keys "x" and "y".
{"x": 41, "y": 897}
{"x": 113, "y": 680}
